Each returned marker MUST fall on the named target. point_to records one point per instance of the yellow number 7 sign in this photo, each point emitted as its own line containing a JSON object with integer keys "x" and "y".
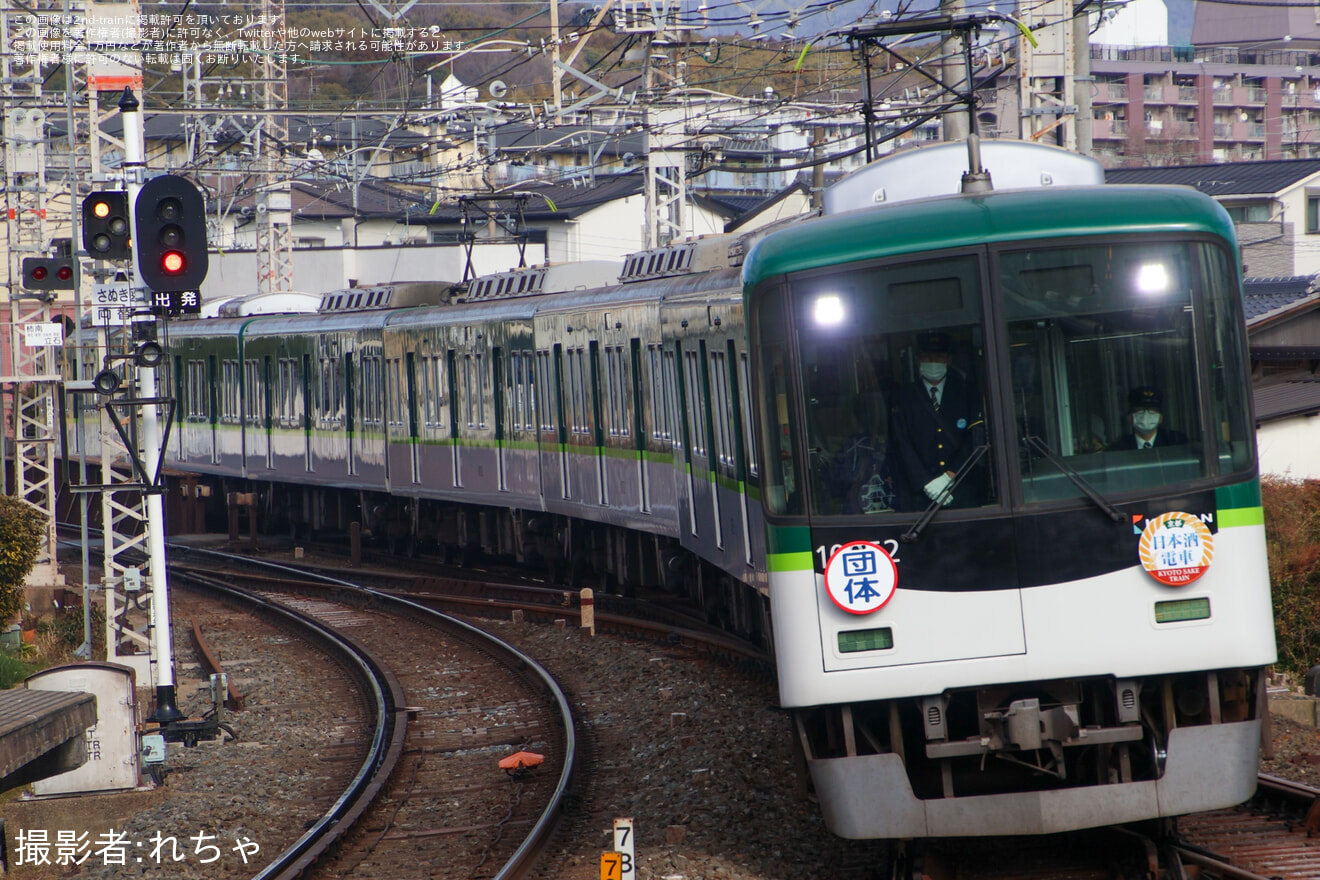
{"x": 611, "y": 866}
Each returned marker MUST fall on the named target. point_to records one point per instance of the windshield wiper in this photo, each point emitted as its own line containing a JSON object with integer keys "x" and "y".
{"x": 1033, "y": 442}
{"x": 928, "y": 514}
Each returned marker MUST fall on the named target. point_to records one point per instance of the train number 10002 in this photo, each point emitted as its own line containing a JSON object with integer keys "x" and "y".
{"x": 890, "y": 545}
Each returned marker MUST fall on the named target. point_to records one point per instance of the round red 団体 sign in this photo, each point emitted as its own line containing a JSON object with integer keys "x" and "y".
{"x": 861, "y": 577}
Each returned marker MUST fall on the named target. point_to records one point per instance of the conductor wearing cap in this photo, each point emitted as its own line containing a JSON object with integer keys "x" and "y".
{"x": 937, "y": 423}
{"x": 1146, "y": 410}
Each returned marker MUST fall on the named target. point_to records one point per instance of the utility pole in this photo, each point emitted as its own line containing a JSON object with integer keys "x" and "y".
{"x": 956, "y": 74}
{"x": 1081, "y": 26}
{"x": 1046, "y": 77}
{"x": 135, "y": 167}
{"x": 556, "y": 71}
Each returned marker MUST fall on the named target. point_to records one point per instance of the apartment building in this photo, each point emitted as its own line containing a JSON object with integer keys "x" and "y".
{"x": 1165, "y": 105}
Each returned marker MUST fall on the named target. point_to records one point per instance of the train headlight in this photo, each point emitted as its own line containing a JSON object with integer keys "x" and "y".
{"x": 1152, "y": 278}
{"x": 828, "y": 310}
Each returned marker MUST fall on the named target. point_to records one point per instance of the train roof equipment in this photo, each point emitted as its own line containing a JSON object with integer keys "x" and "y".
{"x": 550, "y": 278}
{"x": 397, "y": 295}
{"x": 284, "y": 302}
{"x": 691, "y": 256}
{"x": 935, "y": 170}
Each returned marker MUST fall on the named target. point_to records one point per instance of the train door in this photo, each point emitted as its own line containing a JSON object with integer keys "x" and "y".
{"x": 451, "y": 361}
{"x": 597, "y": 423}
{"x": 546, "y": 424}
{"x": 639, "y": 429}
{"x": 746, "y": 440}
{"x": 307, "y": 412}
{"x": 268, "y": 409}
{"x": 213, "y": 386}
{"x": 686, "y": 432}
{"x": 183, "y": 407}
{"x": 256, "y": 442}
{"x": 704, "y": 413}
{"x": 350, "y": 413}
{"x": 560, "y": 411}
{"x": 498, "y": 398}
{"x": 414, "y": 448}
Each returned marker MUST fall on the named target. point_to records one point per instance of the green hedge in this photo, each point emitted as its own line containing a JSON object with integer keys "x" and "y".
{"x": 1292, "y": 531}
{"x": 22, "y": 531}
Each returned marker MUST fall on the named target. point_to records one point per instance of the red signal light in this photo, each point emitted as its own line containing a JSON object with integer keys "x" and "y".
{"x": 64, "y": 273}
{"x": 172, "y": 262}
{"x": 39, "y": 273}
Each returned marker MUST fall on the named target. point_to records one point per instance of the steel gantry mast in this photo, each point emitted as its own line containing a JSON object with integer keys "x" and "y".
{"x": 32, "y": 377}
{"x": 275, "y": 198}
{"x": 660, "y": 22}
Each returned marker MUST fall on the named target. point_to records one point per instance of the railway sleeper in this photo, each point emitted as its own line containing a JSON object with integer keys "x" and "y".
{"x": 576, "y": 552}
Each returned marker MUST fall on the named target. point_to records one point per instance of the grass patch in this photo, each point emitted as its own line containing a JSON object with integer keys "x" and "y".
{"x": 13, "y": 669}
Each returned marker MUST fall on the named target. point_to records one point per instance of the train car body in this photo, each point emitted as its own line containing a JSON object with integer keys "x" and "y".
{"x": 1044, "y": 631}
{"x": 1075, "y": 634}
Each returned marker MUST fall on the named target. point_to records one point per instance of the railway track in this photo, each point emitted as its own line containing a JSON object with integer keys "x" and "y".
{"x": 498, "y": 596}
{"x": 432, "y": 737}
{"x": 1271, "y": 836}
{"x": 1274, "y": 835}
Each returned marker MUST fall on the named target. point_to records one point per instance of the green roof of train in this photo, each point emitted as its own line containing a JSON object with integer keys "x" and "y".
{"x": 964, "y": 221}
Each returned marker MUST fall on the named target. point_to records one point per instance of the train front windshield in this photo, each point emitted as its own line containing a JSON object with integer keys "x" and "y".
{"x": 1025, "y": 376}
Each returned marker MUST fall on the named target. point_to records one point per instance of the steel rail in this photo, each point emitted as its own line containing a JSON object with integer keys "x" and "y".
{"x": 514, "y": 658}
{"x": 387, "y": 698}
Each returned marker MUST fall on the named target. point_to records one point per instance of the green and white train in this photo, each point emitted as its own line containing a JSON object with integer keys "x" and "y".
{"x": 1057, "y": 633}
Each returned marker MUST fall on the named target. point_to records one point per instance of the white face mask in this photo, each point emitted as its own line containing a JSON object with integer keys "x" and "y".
{"x": 933, "y": 371}
{"x": 1145, "y": 421}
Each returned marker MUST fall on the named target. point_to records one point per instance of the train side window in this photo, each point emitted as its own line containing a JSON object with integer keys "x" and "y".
{"x": 721, "y": 410}
{"x": 670, "y": 380}
{"x": 469, "y": 393}
{"x": 544, "y": 386}
{"x": 282, "y": 389}
{"x": 394, "y": 394}
{"x": 368, "y": 369}
{"x": 576, "y": 405}
{"x": 197, "y": 391}
{"x": 696, "y": 401}
{"x": 254, "y": 391}
{"x": 440, "y": 392}
{"x": 616, "y": 373}
{"x": 482, "y": 381}
{"x": 1228, "y": 365}
{"x": 527, "y": 391}
{"x": 660, "y": 429}
{"x": 229, "y": 391}
{"x": 516, "y": 390}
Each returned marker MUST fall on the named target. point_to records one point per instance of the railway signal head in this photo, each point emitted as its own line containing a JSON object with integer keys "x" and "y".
{"x": 48, "y": 273}
{"x": 105, "y": 227}
{"x": 171, "y": 234}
